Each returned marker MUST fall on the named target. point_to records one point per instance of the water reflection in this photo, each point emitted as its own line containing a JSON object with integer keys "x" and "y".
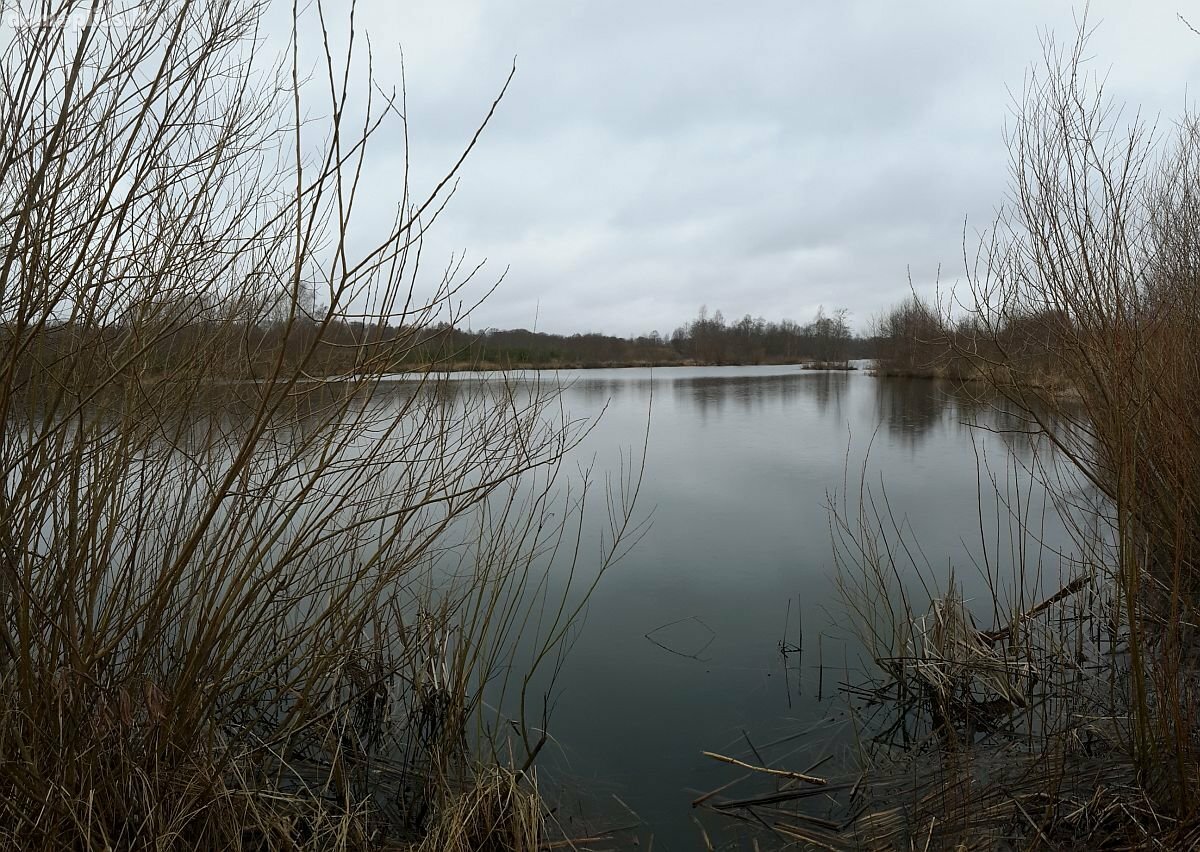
{"x": 908, "y": 410}
{"x": 828, "y": 390}
{"x": 713, "y": 395}
{"x": 911, "y": 409}
{"x": 741, "y": 464}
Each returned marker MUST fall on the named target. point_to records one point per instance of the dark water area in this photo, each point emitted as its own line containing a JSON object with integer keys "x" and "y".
{"x": 680, "y": 650}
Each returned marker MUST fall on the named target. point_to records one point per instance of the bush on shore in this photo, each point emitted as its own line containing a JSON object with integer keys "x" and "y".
{"x": 252, "y": 614}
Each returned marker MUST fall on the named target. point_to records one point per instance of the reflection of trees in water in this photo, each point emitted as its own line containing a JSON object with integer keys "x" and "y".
{"x": 1022, "y": 429}
{"x": 910, "y": 408}
{"x": 828, "y": 390}
{"x": 707, "y": 394}
{"x": 712, "y": 394}
{"x": 223, "y": 415}
{"x": 598, "y": 391}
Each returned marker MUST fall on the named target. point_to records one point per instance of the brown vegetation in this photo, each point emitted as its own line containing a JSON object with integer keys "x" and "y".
{"x": 252, "y": 614}
{"x": 1072, "y": 721}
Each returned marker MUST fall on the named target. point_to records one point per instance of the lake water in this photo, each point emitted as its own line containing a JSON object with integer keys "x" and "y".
{"x": 680, "y": 651}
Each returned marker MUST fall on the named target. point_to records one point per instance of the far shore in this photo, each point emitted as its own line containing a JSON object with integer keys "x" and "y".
{"x": 1049, "y": 386}
{"x": 491, "y": 366}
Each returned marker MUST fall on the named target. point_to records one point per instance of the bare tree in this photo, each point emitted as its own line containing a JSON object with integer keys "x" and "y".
{"x": 830, "y": 336}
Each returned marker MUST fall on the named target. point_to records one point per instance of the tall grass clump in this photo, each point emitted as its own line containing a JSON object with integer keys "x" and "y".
{"x": 243, "y": 604}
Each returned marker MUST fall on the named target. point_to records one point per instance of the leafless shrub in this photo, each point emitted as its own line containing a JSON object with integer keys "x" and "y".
{"x": 1070, "y": 721}
{"x": 1087, "y": 285}
{"x": 242, "y": 605}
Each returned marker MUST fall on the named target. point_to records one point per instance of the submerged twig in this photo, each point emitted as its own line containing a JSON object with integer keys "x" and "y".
{"x": 782, "y": 773}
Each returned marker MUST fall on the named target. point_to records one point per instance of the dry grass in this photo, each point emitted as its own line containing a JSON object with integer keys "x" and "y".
{"x": 496, "y": 814}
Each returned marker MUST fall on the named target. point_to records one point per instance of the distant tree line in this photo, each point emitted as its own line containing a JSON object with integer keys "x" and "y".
{"x": 250, "y": 347}
{"x": 914, "y": 337}
{"x": 827, "y": 339}
{"x": 708, "y": 339}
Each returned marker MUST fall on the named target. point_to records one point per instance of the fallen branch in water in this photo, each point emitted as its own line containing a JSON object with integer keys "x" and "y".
{"x": 783, "y": 773}
{"x": 993, "y": 636}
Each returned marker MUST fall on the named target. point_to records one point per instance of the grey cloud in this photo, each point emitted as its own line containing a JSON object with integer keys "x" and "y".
{"x": 761, "y": 158}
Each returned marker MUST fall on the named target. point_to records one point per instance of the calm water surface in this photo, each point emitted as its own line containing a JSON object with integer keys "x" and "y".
{"x": 680, "y": 650}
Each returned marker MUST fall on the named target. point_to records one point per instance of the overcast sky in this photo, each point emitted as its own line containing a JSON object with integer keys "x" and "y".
{"x": 754, "y": 157}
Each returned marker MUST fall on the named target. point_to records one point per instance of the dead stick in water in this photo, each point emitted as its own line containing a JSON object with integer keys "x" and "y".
{"x": 1066, "y": 591}
{"x": 783, "y": 773}
{"x": 820, "y": 668}
{"x": 704, "y": 797}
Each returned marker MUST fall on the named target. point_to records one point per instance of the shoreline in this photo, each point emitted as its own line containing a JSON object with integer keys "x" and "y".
{"x": 1050, "y": 388}
{"x": 492, "y": 367}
